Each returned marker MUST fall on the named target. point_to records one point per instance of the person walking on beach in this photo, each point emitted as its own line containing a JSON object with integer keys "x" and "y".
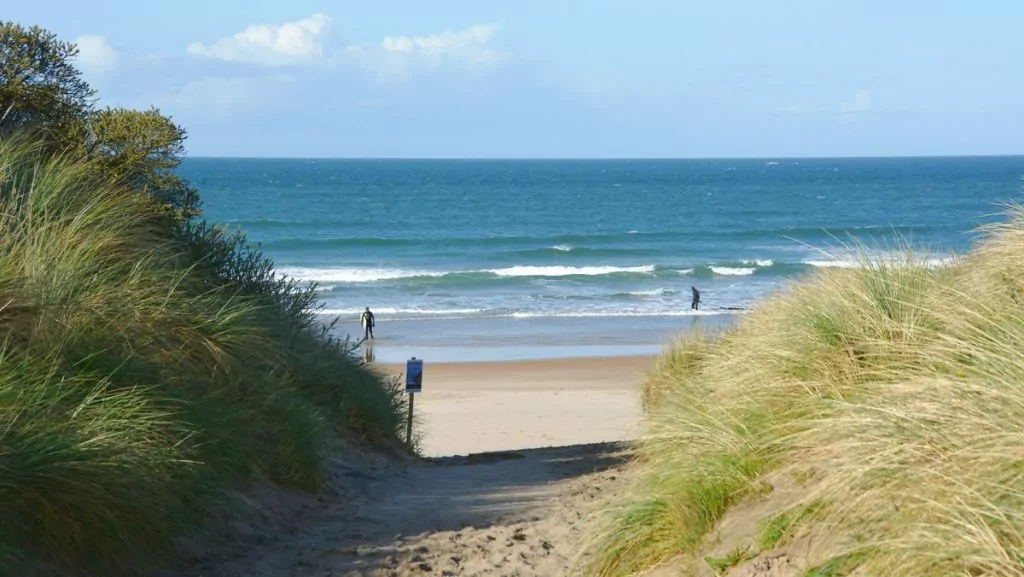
{"x": 367, "y": 320}
{"x": 696, "y": 298}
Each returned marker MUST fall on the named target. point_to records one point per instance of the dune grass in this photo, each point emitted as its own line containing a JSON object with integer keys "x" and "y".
{"x": 138, "y": 382}
{"x": 891, "y": 393}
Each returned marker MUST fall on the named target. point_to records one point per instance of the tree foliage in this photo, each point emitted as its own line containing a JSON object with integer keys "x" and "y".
{"x": 42, "y": 91}
{"x": 142, "y": 148}
{"x": 40, "y": 88}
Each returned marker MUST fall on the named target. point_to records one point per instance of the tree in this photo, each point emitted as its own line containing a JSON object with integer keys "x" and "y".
{"x": 40, "y": 88}
{"x": 142, "y": 149}
{"x": 42, "y": 91}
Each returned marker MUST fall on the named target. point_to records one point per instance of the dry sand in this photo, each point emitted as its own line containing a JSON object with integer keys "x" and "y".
{"x": 513, "y": 514}
{"x": 509, "y": 513}
{"x": 474, "y": 407}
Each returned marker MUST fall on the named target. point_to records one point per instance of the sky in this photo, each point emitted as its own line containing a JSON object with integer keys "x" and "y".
{"x": 559, "y": 78}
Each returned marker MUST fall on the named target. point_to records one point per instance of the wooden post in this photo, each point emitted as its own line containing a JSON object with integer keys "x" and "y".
{"x": 408, "y": 424}
{"x": 413, "y": 385}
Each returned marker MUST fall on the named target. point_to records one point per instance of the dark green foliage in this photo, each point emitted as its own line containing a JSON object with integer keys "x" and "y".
{"x": 40, "y": 89}
{"x": 142, "y": 149}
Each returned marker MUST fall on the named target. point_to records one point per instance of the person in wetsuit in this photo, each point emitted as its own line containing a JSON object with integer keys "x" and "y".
{"x": 696, "y": 298}
{"x": 368, "y": 322}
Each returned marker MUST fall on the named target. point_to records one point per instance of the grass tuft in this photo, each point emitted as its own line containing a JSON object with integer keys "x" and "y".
{"x": 721, "y": 565}
{"x": 774, "y": 531}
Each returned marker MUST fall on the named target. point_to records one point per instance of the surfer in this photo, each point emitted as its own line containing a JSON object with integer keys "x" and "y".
{"x": 696, "y": 298}
{"x": 367, "y": 320}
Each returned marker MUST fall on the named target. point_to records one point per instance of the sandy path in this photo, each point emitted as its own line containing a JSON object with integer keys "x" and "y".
{"x": 502, "y": 514}
{"x": 514, "y": 513}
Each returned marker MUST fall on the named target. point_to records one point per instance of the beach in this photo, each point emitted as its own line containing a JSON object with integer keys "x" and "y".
{"x": 493, "y": 406}
{"x": 520, "y": 454}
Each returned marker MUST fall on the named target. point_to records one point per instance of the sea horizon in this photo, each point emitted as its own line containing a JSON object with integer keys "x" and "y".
{"x": 494, "y": 257}
{"x": 608, "y": 158}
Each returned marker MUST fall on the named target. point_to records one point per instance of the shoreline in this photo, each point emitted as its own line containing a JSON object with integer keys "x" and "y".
{"x": 500, "y": 340}
{"x": 474, "y": 407}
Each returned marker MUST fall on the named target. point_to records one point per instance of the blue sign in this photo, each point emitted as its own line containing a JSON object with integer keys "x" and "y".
{"x": 414, "y": 375}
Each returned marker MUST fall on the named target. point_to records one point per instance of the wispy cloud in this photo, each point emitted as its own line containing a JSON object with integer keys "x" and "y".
{"x": 395, "y": 58}
{"x": 295, "y": 42}
{"x": 95, "y": 55}
{"x": 469, "y": 46}
{"x": 861, "y": 103}
{"x": 278, "y": 66}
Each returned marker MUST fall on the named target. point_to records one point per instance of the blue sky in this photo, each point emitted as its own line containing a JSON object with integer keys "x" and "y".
{"x": 526, "y": 78}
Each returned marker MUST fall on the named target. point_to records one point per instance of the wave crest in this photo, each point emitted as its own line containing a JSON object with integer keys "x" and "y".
{"x": 569, "y": 270}
{"x": 732, "y": 271}
{"x": 353, "y": 275}
{"x": 883, "y": 260}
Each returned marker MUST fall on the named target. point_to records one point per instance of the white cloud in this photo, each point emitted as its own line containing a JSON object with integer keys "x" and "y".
{"x": 469, "y": 45}
{"x": 95, "y": 55}
{"x": 396, "y": 56}
{"x": 289, "y": 43}
{"x": 861, "y": 103}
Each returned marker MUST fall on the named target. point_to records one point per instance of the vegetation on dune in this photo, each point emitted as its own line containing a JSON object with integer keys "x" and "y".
{"x": 874, "y": 415}
{"x": 148, "y": 360}
{"x": 40, "y": 88}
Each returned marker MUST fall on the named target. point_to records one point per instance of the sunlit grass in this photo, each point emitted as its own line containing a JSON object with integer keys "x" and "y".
{"x": 892, "y": 393}
{"x": 135, "y": 387}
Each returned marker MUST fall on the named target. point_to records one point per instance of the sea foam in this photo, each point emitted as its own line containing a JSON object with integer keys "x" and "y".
{"x": 732, "y": 271}
{"x": 353, "y": 275}
{"x": 882, "y": 260}
{"x": 362, "y": 275}
{"x": 569, "y": 270}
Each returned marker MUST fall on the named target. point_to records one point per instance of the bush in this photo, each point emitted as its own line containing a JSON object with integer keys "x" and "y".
{"x": 368, "y": 406}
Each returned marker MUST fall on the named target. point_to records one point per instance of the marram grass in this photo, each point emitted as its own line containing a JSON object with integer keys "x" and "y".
{"x": 135, "y": 387}
{"x": 891, "y": 394}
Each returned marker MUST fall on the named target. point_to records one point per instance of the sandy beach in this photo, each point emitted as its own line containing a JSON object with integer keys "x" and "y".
{"x": 493, "y": 406}
{"x": 536, "y": 453}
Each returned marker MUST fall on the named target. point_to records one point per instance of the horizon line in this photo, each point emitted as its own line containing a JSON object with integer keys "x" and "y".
{"x": 604, "y": 158}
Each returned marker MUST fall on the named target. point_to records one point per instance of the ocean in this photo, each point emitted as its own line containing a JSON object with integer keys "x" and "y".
{"x": 492, "y": 259}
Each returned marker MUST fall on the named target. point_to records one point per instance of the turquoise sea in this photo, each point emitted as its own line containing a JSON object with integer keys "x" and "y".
{"x": 490, "y": 259}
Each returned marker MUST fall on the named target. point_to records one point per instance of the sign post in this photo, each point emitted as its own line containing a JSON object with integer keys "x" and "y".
{"x": 413, "y": 385}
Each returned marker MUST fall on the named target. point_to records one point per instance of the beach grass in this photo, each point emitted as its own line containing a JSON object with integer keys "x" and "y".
{"x": 890, "y": 396}
{"x": 138, "y": 382}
